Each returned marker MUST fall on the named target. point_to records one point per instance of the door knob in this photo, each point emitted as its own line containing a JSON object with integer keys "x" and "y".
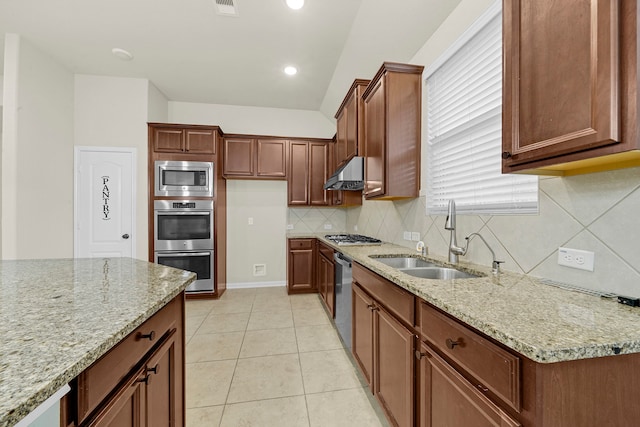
{"x": 125, "y": 236}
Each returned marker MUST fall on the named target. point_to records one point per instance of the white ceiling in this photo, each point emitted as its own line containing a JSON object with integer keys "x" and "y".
{"x": 193, "y": 54}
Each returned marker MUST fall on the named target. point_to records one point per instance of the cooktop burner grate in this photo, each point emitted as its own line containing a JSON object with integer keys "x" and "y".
{"x": 352, "y": 239}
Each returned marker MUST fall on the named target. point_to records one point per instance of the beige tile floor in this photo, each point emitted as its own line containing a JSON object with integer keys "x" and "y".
{"x": 259, "y": 357}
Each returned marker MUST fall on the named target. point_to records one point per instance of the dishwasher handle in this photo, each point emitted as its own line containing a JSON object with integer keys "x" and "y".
{"x": 342, "y": 260}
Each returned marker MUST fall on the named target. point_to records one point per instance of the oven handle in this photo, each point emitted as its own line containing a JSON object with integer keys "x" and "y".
{"x": 207, "y": 213}
{"x": 179, "y": 254}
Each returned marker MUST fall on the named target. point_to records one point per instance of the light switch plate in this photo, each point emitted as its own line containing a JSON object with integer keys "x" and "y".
{"x": 415, "y": 236}
{"x": 328, "y": 226}
{"x": 406, "y": 235}
{"x": 289, "y": 226}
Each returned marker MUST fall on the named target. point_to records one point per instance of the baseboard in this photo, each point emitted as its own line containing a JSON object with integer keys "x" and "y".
{"x": 246, "y": 285}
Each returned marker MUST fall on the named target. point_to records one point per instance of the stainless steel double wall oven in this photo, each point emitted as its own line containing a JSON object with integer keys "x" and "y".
{"x": 184, "y": 238}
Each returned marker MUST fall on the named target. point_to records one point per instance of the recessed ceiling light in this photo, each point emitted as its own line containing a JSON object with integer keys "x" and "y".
{"x": 290, "y": 70}
{"x": 295, "y": 4}
{"x": 122, "y": 54}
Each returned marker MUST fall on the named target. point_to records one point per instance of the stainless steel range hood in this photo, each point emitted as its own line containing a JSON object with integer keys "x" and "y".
{"x": 348, "y": 177}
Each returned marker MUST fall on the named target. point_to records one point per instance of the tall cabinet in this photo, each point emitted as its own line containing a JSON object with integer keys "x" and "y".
{"x": 392, "y": 121}
{"x": 199, "y": 144}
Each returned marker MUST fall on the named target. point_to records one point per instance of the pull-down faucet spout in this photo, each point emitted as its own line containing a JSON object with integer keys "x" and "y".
{"x": 450, "y": 224}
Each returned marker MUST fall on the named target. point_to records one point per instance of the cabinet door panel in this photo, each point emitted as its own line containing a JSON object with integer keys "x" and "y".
{"x": 127, "y": 408}
{"x": 560, "y": 78}
{"x": 164, "y": 398}
{"x": 351, "y": 137}
{"x": 168, "y": 140}
{"x": 362, "y": 332}
{"x": 238, "y": 157}
{"x": 342, "y": 129}
{"x": 318, "y": 173}
{"x": 298, "y": 188}
{"x": 272, "y": 158}
{"x": 447, "y": 399}
{"x": 200, "y": 141}
{"x": 375, "y": 160}
{"x": 300, "y": 270}
{"x": 394, "y": 363}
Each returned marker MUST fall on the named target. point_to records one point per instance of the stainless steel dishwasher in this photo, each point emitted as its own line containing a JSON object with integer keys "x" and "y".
{"x": 344, "y": 276}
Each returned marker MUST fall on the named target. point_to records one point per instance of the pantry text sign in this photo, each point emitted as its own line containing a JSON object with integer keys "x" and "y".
{"x": 105, "y": 198}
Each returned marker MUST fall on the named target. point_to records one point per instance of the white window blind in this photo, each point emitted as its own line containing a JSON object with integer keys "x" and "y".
{"x": 464, "y": 122}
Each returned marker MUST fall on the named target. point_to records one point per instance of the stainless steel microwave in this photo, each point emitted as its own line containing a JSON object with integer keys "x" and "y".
{"x": 183, "y": 179}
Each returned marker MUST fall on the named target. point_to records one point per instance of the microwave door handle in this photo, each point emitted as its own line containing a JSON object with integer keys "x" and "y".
{"x": 181, "y": 254}
{"x": 200, "y": 213}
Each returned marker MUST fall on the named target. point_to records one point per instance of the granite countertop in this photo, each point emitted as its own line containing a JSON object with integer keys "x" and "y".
{"x": 59, "y": 316}
{"x": 544, "y": 323}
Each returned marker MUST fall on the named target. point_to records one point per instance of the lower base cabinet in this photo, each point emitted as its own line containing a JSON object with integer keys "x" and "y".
{"x": 139, "y": 382}
{"x": 383, "y": 348}
{"x": 448, "y": 399}
{"x": 326, "y": 277}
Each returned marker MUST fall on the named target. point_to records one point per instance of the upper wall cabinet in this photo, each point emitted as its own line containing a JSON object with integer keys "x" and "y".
{"x": 570, "y": 89}
{"x": 392, "y": 118}
{"x": 350, "y": 124}
{"x": 309, "y": 170}
{"x": 249, "y": 158}
{"x": 180, "y": 139}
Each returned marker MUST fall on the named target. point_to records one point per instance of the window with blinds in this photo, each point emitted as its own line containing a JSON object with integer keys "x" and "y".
{"x": 464, "y": 125}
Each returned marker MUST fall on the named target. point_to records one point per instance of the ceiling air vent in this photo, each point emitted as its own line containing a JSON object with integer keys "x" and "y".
{"x": 226, "y": 7}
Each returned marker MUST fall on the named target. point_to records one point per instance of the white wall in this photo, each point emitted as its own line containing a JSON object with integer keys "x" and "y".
{"x": 113, "y": 112}
{"x": 254, "y": 120}
{"x": 1, "y": 88}
{"x": 158, "y": 105}
{"x": 262, "y": 242}
{"x": 37, "y": 162}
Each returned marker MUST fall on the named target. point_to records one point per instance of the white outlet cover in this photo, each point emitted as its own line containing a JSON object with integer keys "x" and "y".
{"x": 289, "y": 226}
{"x": 328, "y": 226}
{"x": 576, "y": 258}
{"x": 415, "y": 236}
{"x": 407, "y": 235}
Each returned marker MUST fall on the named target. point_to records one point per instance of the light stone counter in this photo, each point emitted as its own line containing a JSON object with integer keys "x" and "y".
{"x": 544, "y": 323}
{"x": 57, "y": 317}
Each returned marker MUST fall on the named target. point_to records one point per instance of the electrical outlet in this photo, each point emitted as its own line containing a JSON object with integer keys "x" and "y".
{"x": 289, "y": 226}
{"x": 415, "y": 236}
{"x": 406, "y": 235}
{"x": 328, "y": 226}
{"x": 355, "y": 228}
{"x": 576, "y": 258}
{"x": 250, "y": 221}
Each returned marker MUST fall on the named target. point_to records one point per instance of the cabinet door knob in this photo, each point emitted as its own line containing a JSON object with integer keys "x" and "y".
{"x": 150, "y": 336}
{"x": 155, "y": 369}
{"x": 506, "y": 155}
{"x": 451, "y": 343}
{"x": 419, "y": 355}
{"x": 146, "y": 379}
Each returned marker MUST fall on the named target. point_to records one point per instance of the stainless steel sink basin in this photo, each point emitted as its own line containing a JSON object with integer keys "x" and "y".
{"x": 439, "y": 273}
{"x": 405, "y": 262}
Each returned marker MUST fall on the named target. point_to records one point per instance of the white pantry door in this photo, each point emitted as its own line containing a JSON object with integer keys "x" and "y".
{"x": 104, "y": 197}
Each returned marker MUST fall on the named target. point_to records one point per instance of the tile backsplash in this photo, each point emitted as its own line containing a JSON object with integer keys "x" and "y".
{"x": 597, "y": 212}
{"x": 314, "y": 220}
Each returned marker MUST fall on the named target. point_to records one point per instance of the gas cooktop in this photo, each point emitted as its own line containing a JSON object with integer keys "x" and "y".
{"x": 352, "y": 239}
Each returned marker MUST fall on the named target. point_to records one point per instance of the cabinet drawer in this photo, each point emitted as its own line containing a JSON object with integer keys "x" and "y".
{"x": 326, "y": 251}
{"x": 301, "y": 243}
{"x": 98, "y": 380}
{"x": 395, "y": 299}
{"x": 492, "y": 369}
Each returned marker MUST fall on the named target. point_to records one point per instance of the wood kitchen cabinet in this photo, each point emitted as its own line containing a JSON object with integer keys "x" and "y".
{"x": 262, "y": 158}
{"x": 383, "y": 342}
{"x": 301, "y": 254}
{"x": 178, "y": 139}
{"x": 325, "y": 277}
{"x": 308, "y": 171}
{"x": 139, "y": 382}
{"x": 392, "y": 120}
{"x": 570, "y": 88}
{"x": 350, "y": 124}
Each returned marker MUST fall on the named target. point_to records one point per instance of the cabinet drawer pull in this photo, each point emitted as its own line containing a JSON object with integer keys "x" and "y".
{"x": 506, "y": 155}
{"x": 451, "y": 343}
{"x": 150, "y": 336}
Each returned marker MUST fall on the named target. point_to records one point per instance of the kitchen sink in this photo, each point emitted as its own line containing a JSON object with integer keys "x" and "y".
{"x": 438, "y": 273}
{"x": 404, "y": 262}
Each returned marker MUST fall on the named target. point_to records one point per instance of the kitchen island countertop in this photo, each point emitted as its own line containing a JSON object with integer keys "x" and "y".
{"x": 58, "y": 316}
{"x": 542, "y": 322}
